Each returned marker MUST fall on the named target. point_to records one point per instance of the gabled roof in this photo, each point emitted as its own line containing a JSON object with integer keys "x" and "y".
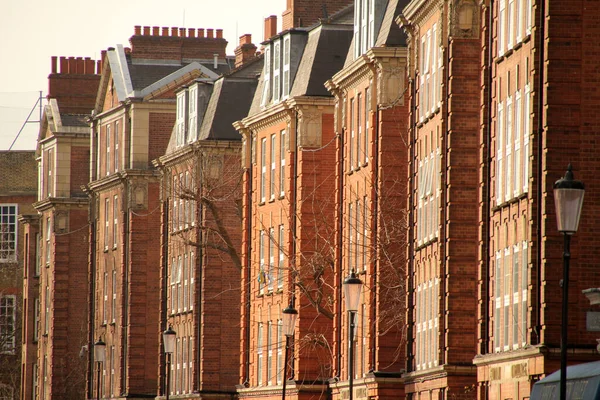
{"x": 140, "y": 78}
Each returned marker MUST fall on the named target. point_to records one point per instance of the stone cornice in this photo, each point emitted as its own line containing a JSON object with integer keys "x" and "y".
{"x": 439, "y": 372}
{"x": 51, "y": 202}
{"x": 188, "y": 151}
{"x": 349, "y": 76}
{"x": 268, "y": 117}
{"x": 418, "y": 11}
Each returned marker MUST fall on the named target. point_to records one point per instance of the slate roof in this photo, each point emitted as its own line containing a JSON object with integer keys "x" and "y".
{"x": 230, "y": 101}
{"x": 390, "y": 34}
{"x": 323, "y": 56}
{"x": 74, "y": 120}
{"x": 144, "y": 75}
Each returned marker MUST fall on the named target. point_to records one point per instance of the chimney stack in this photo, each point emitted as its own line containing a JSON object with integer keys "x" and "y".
{"x": 270, "y": 27}
{"x": 73, "y": 82}
{"x": 245, "y": 51}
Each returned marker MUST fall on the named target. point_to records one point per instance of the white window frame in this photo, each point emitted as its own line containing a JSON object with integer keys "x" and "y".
{"x": 36, "y": 319}
{"x": 277, "y": 71}
{"x": 116, "y": 140}
{"x": 510, "y": 41}
{"x": 261, "y": 254}
{"x": 115, "y": 229}
{"x": 501, "y": 27}
{"x": 192, "y": 114}
{"x": 105, "y": 298}
{"x": 270, "y": 280}
{"x": 497, "y": 300}
{"x": 517, "y": 160}
{"x": 280, "y": 273}
{"x": 192, "y": 266}
{"x": 516, "y": 270}
{"x": 526, "y": 134}
{"x": 507, "y": 265}
{"x": 280, "y": 347}
{"x": 367, "y": 117}
{"x": 286, "y": 67}
{"x": 499, "y": 154}
{"x": 259, "y": 354}
{"x": 282, "y": 153}
{"x": 107, "y": 156}
{"x": 263, "y": 169}
{"x": 273, "y": 167}
{"x": 113, "y": 306}
{"x": 8, "y": 326}
{"x": 106, "y": 222}
{"x": 9, "y": 232}
{"x": 359, "y": 141}
{"x": 352, "y": 133}
{"x": 266, "y": 94}
{"x": 269, "y": 353}
{"x": 508, "y": 190}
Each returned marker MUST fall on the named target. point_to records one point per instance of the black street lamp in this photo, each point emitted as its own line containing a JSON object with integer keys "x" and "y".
{"x": 100, "y": 357}
{"x": 568, "y": 200}
{"x": 352, "y": 289}
{"x": 289, "y": 316}
{"x": 169, "y": 336}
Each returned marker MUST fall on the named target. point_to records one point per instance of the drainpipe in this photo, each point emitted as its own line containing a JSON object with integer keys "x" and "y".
{"x": 200, "y": 269}
{"x": 165, "y": 268}
{"x": 485, "y": 336}
{"x": 247, "y": 328}
{"x": 411, "y": 216}
{"x": 92, "y": 291}
{"x": 375, "y": 235}
{"x": 294, "y": 235}
{"x": 339, "y": 258}
{"x": 539, "y": 170}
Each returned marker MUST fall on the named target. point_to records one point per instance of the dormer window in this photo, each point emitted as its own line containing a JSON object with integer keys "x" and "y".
{"x": 364, "y": 26}
{"x": 266, "y": 78}
{"x": 180, "y": 123}
{"x": 276, "y": 70}
{"x": 286, "y": 67}
{"x": 193, "y": 114}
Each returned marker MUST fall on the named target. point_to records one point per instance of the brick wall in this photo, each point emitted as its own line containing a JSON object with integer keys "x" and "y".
{"x": 302, "y": 13}
{"x": 75, "y": 85}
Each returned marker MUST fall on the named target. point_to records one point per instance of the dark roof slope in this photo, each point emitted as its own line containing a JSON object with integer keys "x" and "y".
{"x": 144, "y": 75}
{"x": 390, "y": 34}
{"x": 230, "y": 102}
{"x": 78, "y": 120}
{"x": 323, "y": 56}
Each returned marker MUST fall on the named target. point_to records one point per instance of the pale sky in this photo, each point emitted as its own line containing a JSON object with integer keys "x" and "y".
{"x": 31, "y": 32}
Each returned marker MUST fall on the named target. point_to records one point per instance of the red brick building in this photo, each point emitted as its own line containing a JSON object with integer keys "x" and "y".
{"x": 132, "y": 122}
{"x": 56, "y": 284}
{"x": 18, "y": 186}
{"x": 444, "y": 58}
{"x": 288, "y": 248}
{"x": 371, "y": 164}
{"x": 201, "y": 195}
{"x": 538, "y": 115}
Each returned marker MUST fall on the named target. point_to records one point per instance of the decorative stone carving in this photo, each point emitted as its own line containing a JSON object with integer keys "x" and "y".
{"x": 138, "y": 196}
{"x": 61, "y": 222}
{"x": 391, "y": 82}
{"x": 464, "y": 19}
{"x": 309, "y": 127}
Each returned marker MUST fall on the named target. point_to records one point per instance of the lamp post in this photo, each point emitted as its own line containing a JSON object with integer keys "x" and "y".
{"x": 100, "y": 357}
{"x": 568, "y": 199}
{"x": 169, "y": 336}
{"x": 289, "y": 316}
{"x": 352, "y": 288}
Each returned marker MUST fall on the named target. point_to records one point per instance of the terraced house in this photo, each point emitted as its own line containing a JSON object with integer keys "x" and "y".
{"x": 201, "y": 195}
{"x": 133, "y": 117}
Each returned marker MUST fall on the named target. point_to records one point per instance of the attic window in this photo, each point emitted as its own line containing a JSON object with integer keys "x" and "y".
{"x": 266, "y": 78}
{"x": 286, "y": 67}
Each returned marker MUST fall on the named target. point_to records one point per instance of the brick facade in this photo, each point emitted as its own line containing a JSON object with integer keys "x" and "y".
{"x": 17, "y": 193}
{"x": 371, "y": 160}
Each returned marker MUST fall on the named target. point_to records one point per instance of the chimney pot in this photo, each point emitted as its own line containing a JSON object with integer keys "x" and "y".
{"x": 270, "y": 27}
{"x": 155, "y": 31}
{"x": 200, "y": 32}
{"x": 244, "y": 39}
{"x": 64, "y": 65}
{"x": 219, "y": 33}
{"x": 137, "y": 30}
{"x": 98, "y": 67}
{"x": 72, "y": 66}
{"x": 165, "y": 31}
{"x": 209, "y": 33}
{"x": 192, "y": 32}
{"x": 146, "y": 31}
{"x": 53, "y": 64}
{"x": 174, "y": 31}
{"x": 79, "y": 65}
{"x": 181, "y": 32}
